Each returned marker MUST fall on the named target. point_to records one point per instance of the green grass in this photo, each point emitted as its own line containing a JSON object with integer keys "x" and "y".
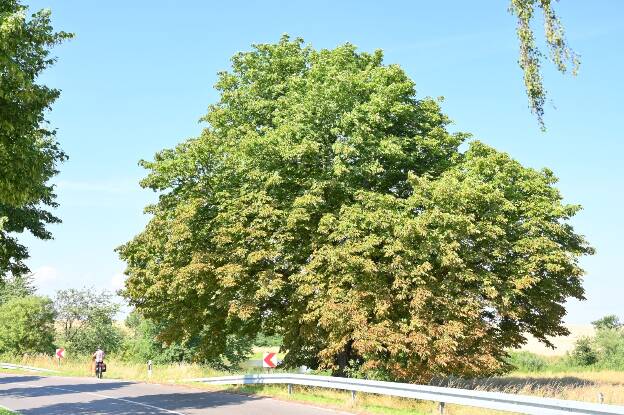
{"x": 4, "y": 411}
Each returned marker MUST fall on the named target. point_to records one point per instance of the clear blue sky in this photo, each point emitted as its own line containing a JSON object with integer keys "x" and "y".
{"x": 139, "y": 75}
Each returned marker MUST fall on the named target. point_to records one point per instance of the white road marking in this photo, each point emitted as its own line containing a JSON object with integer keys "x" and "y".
{"x": 119, "y": 399}
{"x": 98, "y": 395}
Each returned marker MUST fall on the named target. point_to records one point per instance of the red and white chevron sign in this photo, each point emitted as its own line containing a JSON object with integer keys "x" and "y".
{"x": 60, "y": 353}
{"x": 269, "y": 360}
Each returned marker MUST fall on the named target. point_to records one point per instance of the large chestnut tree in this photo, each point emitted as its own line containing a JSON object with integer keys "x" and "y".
{"x": 325, "y": 202}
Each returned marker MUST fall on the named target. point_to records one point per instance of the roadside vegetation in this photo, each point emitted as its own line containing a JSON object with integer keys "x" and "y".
{"x": 81, "y": 320}
{"x": 573, "y": 376}
{"x": 602, "y": 352}
{"x": 583, "y": 384}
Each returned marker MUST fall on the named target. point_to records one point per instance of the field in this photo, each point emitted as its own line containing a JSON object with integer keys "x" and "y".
{"x": 563, "y": 344}
{"x": 575, "y": 385}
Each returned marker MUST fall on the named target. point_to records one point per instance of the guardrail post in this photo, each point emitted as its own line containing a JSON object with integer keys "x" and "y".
{"x": 290, "y": 388}
{"x": 441, "y": 408}
{"x": 600, "y": 397}
{"x": 353, "y": 396}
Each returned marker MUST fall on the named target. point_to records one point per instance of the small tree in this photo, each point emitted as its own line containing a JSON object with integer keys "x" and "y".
{"x": 141, "y": 344}
{"x": 27, "y": 325}
{"x": 605, "y": 349}
{"x": 584, "y": 353}
{"x": 16, "y": 286}
{"x": 86, "y": 320}
{"x": 609, "y": 322}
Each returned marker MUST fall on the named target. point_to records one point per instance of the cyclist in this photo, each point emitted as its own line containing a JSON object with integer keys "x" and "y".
{"x": 98, "y": 356}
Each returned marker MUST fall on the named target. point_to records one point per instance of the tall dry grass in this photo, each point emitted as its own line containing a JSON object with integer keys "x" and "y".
{"x": 117, "y": 369}
{"x": 579, "y": 386}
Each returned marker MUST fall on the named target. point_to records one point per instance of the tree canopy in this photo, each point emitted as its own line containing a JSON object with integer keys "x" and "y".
{"x": 326, "y": 203}
{"x": 15, "y": 287}
{"x": 29, "y": 153}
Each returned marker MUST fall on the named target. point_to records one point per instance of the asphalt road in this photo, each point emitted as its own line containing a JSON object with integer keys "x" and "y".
{"x": 34, "y": 395}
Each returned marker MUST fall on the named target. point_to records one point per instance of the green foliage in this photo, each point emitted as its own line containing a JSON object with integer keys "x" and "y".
{"x": 29, "y": 153}
{"x": 607, "y": 322}
{"x": 531, "y": 56}
{"x": 609, "y": 348}
{"x": 143, "y": 344}
{"x": 606, "y": 349}
{"x": 327, "y": 204}
{"x": 583, "y": 353}
{"x": 86, "y": 321}
{"x": 527, "y": 362}
{"x": 27, "y": 326}
{"x": 16, "y": 286}
{"x": 265, "y": 340}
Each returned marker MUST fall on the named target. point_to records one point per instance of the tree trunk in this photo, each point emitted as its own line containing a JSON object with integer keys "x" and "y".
{"x": 342, "y": 360}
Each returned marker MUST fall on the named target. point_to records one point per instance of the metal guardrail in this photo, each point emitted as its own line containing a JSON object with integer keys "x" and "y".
{"x": 489, "y": 400}
{"x": 29, "y": 368}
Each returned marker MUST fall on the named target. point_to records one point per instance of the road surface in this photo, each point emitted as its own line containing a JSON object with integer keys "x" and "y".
{"x": 37, "y": 395}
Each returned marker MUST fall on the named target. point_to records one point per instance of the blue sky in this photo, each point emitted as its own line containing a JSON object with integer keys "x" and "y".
{"x": 139, "y": 75}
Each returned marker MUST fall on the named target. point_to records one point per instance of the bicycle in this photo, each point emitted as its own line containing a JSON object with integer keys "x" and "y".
{"x": 100, "y": 368}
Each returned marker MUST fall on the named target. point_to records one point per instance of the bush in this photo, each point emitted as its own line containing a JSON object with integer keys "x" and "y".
{"x": 583, "y": 353}
{"x": 527, "y": 361}
{"x": 264, "y": 340}
{"x": 27, "y": 325}
{"x": 605, "y": 350}
{"x": 609, "y": 348}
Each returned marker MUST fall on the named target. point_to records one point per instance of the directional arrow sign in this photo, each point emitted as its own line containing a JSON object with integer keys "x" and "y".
{"x": 60, "y": 353}
{"x": 269, "y": 359}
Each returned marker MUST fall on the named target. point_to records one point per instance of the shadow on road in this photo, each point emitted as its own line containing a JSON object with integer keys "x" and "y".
{"x": 12, "y": 379}
{"x": 38, "y": 390}
{"x": 132, "y": 405}
{"x": 111, "y": 397}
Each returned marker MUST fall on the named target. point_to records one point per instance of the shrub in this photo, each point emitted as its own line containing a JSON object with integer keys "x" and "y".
{"x": 27, "y": 325}
{"x": 527, "y": 361}
{"x": 609, "y": 347}
{"x": 583, "y": 353}
{"x": 264, "y": 340}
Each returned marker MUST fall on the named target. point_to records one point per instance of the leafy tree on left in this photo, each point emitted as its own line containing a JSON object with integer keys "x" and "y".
{"x": 29, "y": 152}
{"x": 27, "y": 325}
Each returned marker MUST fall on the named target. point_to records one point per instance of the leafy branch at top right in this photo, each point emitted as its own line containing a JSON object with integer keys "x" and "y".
{"x": 531, "y": 56}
